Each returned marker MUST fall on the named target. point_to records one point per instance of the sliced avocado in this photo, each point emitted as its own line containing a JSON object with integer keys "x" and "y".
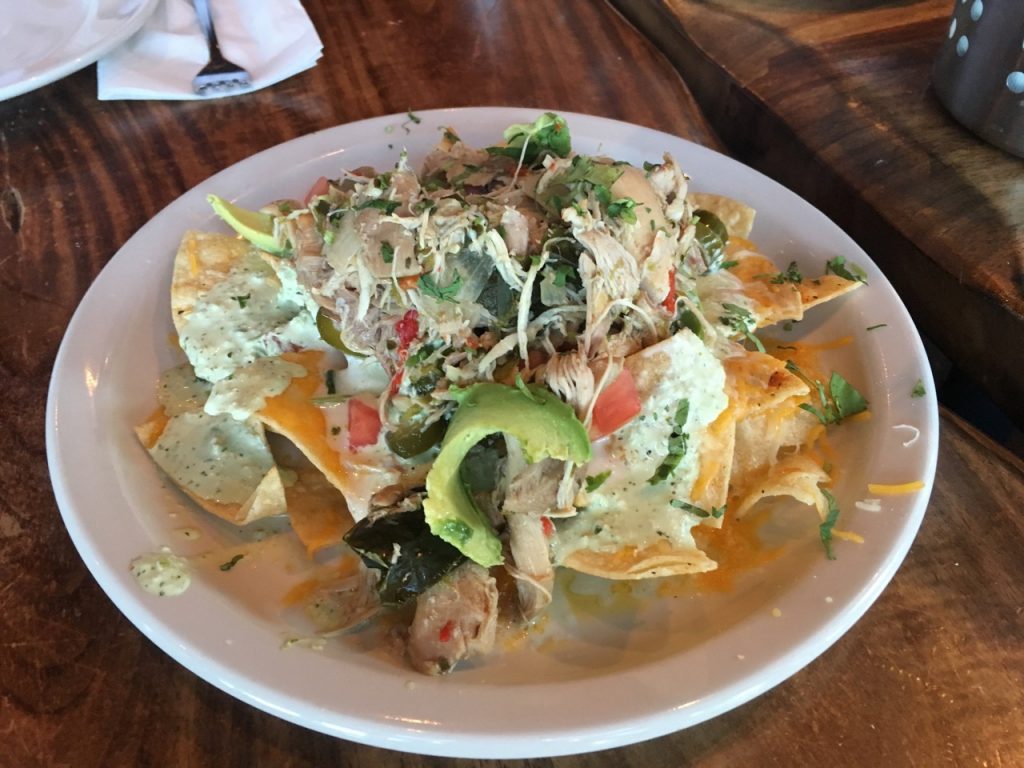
{"x": 545, "y": 427}
{"x": 257, "y": 228}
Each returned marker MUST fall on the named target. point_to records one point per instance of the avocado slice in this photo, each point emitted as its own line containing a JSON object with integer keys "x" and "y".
{"x": 545, "y": 427}
{"x": 257, "y": 228}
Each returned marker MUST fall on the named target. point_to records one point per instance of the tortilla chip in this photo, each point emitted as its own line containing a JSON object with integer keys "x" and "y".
{"x": 738, "y": 217}
{"x": 317, "y": 510}
{"x": 761, "y": 437}
{"x": 773, "y": 302}
{"x": 294, "y": 415}
{"x": 658, "y": 559}
{"x": 795, "y": 476}
{"x": 204, "y": 259}
{"x": 756, "y": 381}
{"x": 717, "y": 449}
{"x": 825, "y": 288}
{"x": 266, "y": 500}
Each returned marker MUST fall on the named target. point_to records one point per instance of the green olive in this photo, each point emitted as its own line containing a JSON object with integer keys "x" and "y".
{"x": 408, "y": 440}
{"x": 330, "y": 333}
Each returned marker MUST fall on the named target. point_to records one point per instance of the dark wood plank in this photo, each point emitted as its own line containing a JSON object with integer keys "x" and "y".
{"x": 834, "y": 100}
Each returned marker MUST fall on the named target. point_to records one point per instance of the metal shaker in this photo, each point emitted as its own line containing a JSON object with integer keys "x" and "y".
{"x": 979, "y": 72}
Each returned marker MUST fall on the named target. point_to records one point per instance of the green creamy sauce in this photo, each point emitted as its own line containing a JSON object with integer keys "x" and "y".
{"x": 247, "y": 389}
{"x": 180, "y": 390}
{"x": 626, "y": 509}
{"x": 215, "y": 457}
{"x": 162, "y": 573}
{"x": 247, "y": 315}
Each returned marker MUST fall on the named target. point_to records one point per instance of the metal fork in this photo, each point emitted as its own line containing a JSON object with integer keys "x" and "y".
{"x": 219, "y": 74}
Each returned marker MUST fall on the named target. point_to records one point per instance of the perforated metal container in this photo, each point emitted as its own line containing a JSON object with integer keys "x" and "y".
{"x": 979, "y": 72}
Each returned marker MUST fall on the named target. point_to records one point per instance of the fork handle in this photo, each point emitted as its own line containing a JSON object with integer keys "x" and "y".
{"x": 206, "y": 24}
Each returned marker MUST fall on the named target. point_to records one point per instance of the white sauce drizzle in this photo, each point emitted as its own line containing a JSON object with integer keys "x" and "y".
{"x": 869, "y": 505}
{"x": 913, "y": 439}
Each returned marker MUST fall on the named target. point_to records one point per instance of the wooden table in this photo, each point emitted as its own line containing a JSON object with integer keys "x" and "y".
{"x": 834, "y": 99}
{"x": 933, "y": 675}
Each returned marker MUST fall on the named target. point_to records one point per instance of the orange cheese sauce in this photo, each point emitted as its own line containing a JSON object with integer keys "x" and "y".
{"x": 736, "y": 547}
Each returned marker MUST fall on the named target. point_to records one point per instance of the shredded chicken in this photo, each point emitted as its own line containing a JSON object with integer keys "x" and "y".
{"x": 535, "y": 488}
{"x": 455, "y": 619}
{"x": 533, "y": 571}
{"x": 569, "y": 377}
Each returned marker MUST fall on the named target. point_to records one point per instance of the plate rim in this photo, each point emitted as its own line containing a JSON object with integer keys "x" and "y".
{"x": 82, "y": 57}
{"x": 473, "y": 743}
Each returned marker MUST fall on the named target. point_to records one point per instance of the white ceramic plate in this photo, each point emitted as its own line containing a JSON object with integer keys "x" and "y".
{"x": 596, "y": 678}
{"x": 45, "y": 40}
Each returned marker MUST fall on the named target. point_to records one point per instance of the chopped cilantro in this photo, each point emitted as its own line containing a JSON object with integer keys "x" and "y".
{"x": 715, "y": 512}
{"x": 231, "y": 563}
{"x": 335, "y": 430}
{"x": 548, "y": 134}
{"x": 387, "y": 206}
{"x": 411, "y": 118}
{"x": 918, "y": 390}
{"x": 791, "y": 275}
{"x": 329, "y": 383}
{"x": 563, "y": 271}
{"x": 242, "y": 300}
{"x": 873, "y": 327}
{"x": 596, "y": 481}
{"x": 468, "y": 169}
{"x": 421, "y": 206}
{"x": 623, "y": 209}
{"x": 848, "y": 271}
{"x": 677, "y": 442}
{"x": 741, "y": 321}
{"x": 841, "y": 399}
{"x": 829, "y": 523}
{"x": 581, "y": 179}
{"x": 447, "y": 293}
{"x": 387, "y": 252}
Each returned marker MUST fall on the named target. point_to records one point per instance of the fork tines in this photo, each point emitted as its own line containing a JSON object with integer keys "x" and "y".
{"x": 219, "y": 74}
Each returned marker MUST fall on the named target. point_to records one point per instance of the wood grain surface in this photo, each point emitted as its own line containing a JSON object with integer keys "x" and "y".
{"x": 834, "y": 100}
{"x": 931, "y": 676}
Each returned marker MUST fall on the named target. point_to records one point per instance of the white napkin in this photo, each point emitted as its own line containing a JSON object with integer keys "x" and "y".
{"x": 272, "y": 40}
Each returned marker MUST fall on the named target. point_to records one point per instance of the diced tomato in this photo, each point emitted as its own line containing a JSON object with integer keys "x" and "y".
{"x": 396, "y": 380}
{"x": 547, "y": 526}
{"x": 617, "y": 404}
{"x": 670, "y": 300}
{"x": 408, "y": 282}
{"x": 363, "y": 424}
{"x": 408, "y": 328}
{"x": 446, "y": 631}
{"x": 320, "y": 187}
